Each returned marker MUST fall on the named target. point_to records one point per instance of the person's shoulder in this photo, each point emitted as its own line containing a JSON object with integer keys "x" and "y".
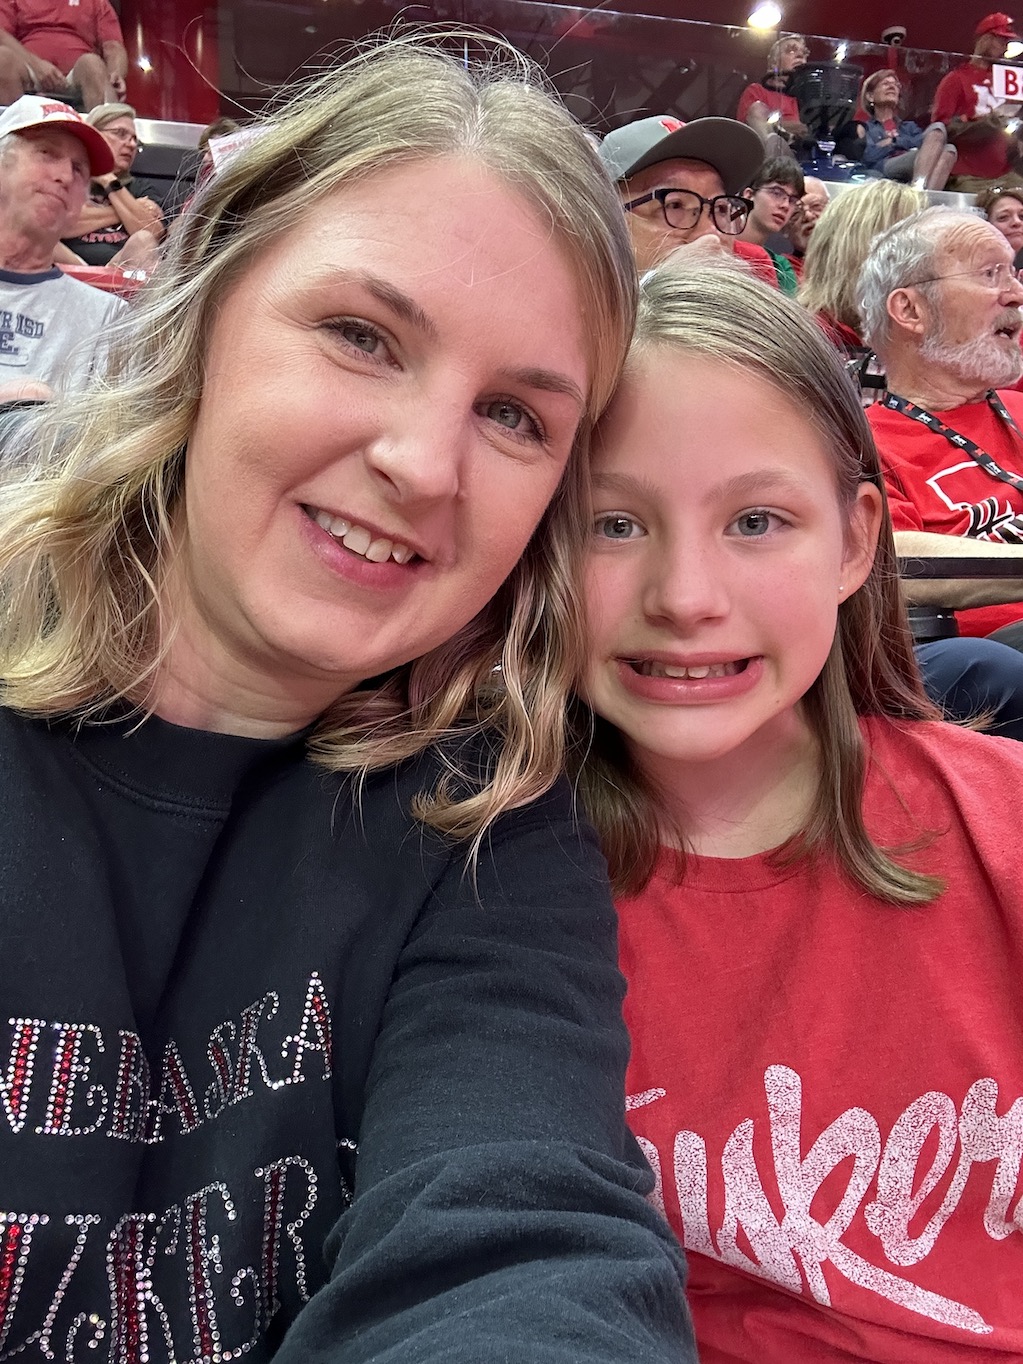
{"x": 885, "y": 422}
{"x": 1013, "y": 401}
{"x": 102, "y": 306}
{"x": 950, "y": 752}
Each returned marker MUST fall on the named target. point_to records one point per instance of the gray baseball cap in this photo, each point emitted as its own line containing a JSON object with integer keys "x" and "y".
{"x": 732, "y": 148}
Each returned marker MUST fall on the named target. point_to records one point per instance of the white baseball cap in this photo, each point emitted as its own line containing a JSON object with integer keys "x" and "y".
{"x": 37, "y": 111}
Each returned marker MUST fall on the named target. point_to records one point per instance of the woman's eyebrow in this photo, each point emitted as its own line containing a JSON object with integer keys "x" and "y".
{"x": 547, "y": 380}
{"x": 400, "y": 303}
{"x": 406, "y": 307}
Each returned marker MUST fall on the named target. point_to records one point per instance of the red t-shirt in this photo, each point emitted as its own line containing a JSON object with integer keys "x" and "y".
{"x": 758, "y": 258}
{"x": 830, "y": 1089}
{"x": 966, "y": 93}
{"x": 61, "y": 31}
{"x": 775, "y": 100}
{"x": 933, "y": 486}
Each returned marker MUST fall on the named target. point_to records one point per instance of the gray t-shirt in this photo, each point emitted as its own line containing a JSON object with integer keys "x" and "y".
{"x": 52, "y": 328}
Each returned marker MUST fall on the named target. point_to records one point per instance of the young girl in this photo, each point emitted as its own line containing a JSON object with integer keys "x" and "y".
{"x": 821, "y": 921}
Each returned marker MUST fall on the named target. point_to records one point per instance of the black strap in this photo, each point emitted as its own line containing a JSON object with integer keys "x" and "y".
{"x": 956, "y": 438}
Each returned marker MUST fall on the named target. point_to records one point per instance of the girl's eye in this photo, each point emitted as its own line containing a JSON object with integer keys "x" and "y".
{"x": 755, "y": 523}
{"x": 514, "y": 418}
{"x": 616, "y": 527}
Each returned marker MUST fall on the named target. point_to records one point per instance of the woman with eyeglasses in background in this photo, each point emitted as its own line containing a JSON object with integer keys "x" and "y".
{"x": 121, "y": 224}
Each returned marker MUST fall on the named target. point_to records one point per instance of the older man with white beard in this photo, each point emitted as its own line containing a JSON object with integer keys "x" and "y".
{"x": 940, "y": 304}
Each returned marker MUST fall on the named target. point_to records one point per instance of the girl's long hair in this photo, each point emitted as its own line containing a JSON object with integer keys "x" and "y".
{"x": 722, "y": 314}
{"x": 87, "y": 506}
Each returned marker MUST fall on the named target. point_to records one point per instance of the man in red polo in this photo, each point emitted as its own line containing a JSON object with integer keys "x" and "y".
{"x": 53, "y": 46}
{"x": 966, "y": 104}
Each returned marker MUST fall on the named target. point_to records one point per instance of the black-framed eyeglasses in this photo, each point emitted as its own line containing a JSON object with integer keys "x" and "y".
{"x": 683, "y": 208}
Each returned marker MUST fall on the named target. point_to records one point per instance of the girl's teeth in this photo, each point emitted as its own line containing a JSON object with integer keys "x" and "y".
{"x": 695, "y": 673}
{"x": 339, "y": 527}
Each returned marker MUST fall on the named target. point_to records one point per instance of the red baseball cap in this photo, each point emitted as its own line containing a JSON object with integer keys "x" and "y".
{"x": 998, "y": 24}
{"x": 38, "y": 111}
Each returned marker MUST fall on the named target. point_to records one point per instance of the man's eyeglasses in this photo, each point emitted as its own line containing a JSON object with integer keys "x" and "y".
{"x": 781, "y": 195}
{"x": 683, "y": 208}
{"x": 997, "y": 277}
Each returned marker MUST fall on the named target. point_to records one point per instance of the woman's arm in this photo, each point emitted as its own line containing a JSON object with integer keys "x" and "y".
{"x": 878, "y": 145}
{"x": 136, "y": 215}
{"x": 499, "y": 1211}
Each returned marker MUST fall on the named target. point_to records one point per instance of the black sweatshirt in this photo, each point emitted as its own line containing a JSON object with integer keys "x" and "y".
{"x": 233, "y": 997}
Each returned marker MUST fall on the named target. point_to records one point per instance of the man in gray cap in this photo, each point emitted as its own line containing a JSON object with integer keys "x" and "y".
{"x": 681, "y": 185}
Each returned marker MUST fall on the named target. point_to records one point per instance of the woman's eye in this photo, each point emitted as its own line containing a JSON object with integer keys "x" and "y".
{"x": 616, "y": 527}
{"x": 513, "y": 417}
{"x": 360, "y": 336}
{"x": 755, "y": 523}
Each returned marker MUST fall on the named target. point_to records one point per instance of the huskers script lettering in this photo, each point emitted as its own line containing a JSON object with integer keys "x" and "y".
{"x": 793, "y": 1249}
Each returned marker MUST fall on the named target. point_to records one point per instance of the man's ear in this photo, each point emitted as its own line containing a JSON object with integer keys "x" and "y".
{"x": 908, "y": 309}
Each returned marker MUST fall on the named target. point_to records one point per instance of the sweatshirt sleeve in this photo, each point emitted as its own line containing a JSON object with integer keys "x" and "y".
{"x": 500, "y": 1213}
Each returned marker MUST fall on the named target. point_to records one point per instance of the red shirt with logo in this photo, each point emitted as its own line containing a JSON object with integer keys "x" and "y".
{"x": 830, "y": 1089}
{"x": 933, "y": 486}
{"x": 61, "y": 31}
{"x": 966, "y": 93}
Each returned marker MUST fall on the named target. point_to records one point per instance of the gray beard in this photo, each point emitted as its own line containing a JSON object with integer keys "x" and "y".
{"x": 986, "y": 362}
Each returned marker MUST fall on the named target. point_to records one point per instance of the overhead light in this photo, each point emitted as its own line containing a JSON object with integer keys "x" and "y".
{"x": 840, "y": 51}
{"x": 1014, "y": 50}
{"x": 144, "y": 64}
{"x": 765, "y": 15}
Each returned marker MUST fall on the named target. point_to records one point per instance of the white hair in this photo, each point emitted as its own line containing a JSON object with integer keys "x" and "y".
{"x": 900, "y": 256}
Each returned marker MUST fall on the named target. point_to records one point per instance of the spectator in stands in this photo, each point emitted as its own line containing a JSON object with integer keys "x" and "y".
{"x": 63, "y": 49}
{"x": 196, "y": 167}
{"x": 940, "y": 304}
{"x": 835, "y": 254}
{"x": 966, "y": 677}
{"x": 973, "y": 117}
{"x": 121, "y": 225}
{"x": 765, "y": 104}
{"x": 52, "y": 328}
{"x": 775, "y": 193}
{"x": 681, "y": 186}
{"x": 898, "y": 148}
{"x": 793, "y": 242}
{"x": 1003, "y": 207}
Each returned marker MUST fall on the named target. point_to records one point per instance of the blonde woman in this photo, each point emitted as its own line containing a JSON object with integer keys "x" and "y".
{"x": 297, "y": 917}
{"x": 839, "y": 247}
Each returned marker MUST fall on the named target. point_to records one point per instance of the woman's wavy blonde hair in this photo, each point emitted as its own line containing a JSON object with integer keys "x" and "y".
{"x": 86, "y": 526}
{"x": 720, "y": 313}
{"x": 841, "y": 241}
